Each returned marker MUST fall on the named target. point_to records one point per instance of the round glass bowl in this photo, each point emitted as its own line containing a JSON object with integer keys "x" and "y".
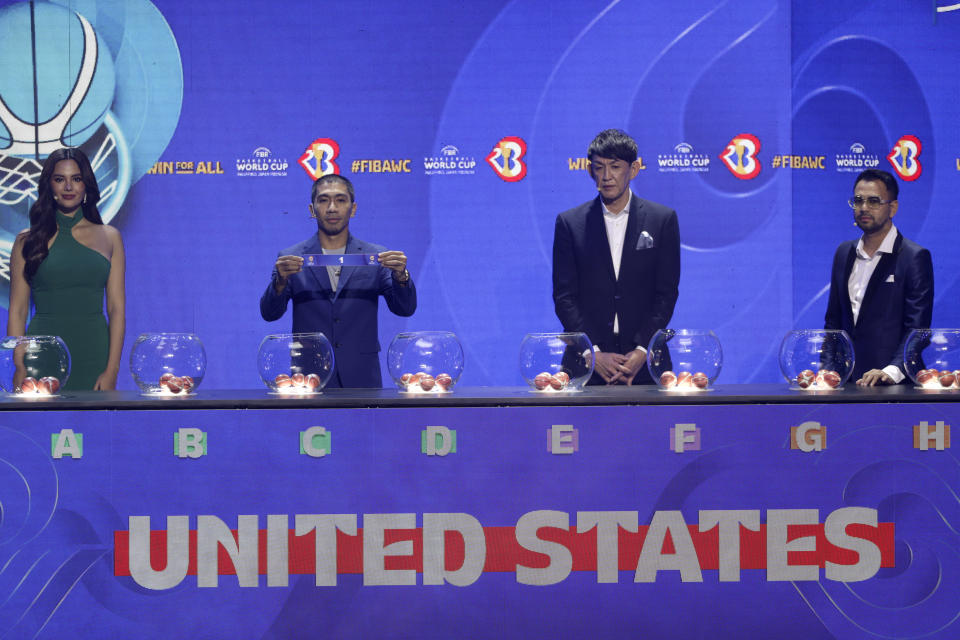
{"x": 168, "y": 364}
{"x": 816, "y": 359}
{"x": 684, "y": 360}
{"x": 931, "y": 358}
{"x": 425, "y": 361}
{"x": 295, "y": 363}
{"x": 33, "y": 366}
{"x": 556, "y": 362}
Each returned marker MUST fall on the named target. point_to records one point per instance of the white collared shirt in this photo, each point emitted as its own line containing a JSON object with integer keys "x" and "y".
{"x": 863, "y": 268}
{"x": 616, "y": 224}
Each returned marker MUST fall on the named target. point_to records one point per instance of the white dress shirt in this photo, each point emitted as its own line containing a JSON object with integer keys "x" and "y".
{"x": 616, "y": 224}
{"x": 863, "y": 268}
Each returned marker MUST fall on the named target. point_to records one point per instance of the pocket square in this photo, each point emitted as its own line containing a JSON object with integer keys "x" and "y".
{"x": 889, "y": 278}
{"x": 645, "y": 241}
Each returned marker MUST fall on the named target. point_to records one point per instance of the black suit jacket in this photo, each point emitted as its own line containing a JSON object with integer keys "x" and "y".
{"x": 587, "y": 294}
{"x": 899, "y": 297}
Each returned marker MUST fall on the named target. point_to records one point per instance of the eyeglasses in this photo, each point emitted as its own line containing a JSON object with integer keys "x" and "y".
{"x": 872, "y": 202}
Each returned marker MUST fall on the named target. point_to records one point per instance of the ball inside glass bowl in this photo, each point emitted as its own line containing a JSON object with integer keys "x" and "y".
{"x": 556, "y": 362}
{"x": 168, "y": 364}
{"x": 295, "y": 363}
{"x": 684, "y": 360}
{"x": 816, "y": 359}
{"x": 931, "y": 358}
{"x": 33, "y": 366}
{"x": 425, "y": 362}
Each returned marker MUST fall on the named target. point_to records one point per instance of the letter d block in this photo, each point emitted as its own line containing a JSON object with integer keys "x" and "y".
{"x": 438, "y": 441}
{"x": 189, "y": 442}
{"x": 66, "y": 443}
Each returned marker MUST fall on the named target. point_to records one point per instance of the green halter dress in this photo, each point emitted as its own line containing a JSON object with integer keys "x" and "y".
{"x": 68, "y": 297}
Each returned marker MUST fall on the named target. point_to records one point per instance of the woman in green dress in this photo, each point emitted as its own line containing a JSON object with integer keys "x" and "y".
{"x": 66, "y": 260}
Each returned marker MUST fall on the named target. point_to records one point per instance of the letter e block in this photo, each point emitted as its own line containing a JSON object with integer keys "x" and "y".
{"x": 563, "y": 439}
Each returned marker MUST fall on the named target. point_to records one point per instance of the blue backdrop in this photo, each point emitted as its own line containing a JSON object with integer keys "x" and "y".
{"x": 240, "y": 92}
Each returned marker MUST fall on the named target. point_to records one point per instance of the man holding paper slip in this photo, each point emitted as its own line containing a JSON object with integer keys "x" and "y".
{"x": 335, "y": 282}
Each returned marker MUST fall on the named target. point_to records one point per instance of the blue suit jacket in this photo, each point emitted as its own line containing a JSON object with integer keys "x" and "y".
{"x": 347, "y": 316}
{"x": 899, "y": 297}
{"x": 587, "y": 294}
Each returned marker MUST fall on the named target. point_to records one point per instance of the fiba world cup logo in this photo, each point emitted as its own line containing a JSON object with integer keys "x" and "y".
{"x": 904, "y": 157}
{"x": 320, "y": 157}
{"x": 506, "y": 159}
{"x": 740, "y": 156}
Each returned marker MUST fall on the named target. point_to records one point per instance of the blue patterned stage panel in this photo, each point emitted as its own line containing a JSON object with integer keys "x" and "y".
{"x": 787, "y": 521}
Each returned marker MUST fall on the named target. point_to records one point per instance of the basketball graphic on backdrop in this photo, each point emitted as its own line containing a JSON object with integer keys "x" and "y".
{"x": 57, "y": 81}
{"x": 101, "y": 75}
{"x": 104, "y": 76}
{"x": 56, "y": 89}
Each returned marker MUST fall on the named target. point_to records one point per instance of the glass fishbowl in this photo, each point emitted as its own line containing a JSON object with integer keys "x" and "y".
{"x": 168, "y": 364}
{"x": 295, "y": 363}
{"x": 931, "y": 357}
{"x": 816, "y": 359}
{"x": 684, "y": 360}
{"x": 33, "y": 366}
{"x": 425, "y": 362}
{"x": 556, "y": 362}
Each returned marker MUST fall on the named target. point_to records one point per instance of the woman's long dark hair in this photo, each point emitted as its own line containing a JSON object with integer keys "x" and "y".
{"x": 43, "y": 213}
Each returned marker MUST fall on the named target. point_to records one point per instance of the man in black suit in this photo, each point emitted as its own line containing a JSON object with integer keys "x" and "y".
{"x": 616, "y": 265}
{"x": 881, "y": 286}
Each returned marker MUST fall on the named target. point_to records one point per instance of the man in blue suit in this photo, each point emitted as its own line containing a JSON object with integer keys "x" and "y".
{"x": 340, "y": 302}
{"x": 616, "y": 265}
{"x": 881, "y": 285}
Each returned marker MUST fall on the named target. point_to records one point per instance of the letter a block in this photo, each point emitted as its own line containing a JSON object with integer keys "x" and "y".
{"x": 66, "y": 443}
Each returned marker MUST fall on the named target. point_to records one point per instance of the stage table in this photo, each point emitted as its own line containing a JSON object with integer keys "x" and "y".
{"x": 477, "y": 397}
{"x": 746, "y": 511}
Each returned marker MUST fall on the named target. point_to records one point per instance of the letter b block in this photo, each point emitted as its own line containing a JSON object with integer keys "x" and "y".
{"x": 189, "y": 442}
